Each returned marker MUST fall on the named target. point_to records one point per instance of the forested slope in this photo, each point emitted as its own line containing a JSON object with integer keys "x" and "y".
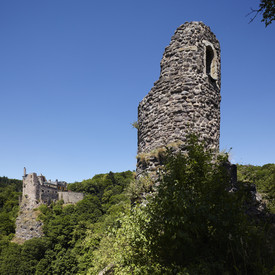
{"x": 65, "y": 226}
{"x": 264, "y": 179}
{"x": 193, "y": 226}
{"x": 10, "y": 190}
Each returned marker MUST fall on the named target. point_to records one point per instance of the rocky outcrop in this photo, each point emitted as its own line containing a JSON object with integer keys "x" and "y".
{"x": 27, "y": 224}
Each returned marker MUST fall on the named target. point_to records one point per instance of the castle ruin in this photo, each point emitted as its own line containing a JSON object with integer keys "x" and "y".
{"x": 38, "y": 190}
{"x": 186, "y": 97}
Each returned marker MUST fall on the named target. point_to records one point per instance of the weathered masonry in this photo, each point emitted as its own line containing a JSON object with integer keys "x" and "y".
{"x": 186, "y": 98}
{"x": 38, "y": 189}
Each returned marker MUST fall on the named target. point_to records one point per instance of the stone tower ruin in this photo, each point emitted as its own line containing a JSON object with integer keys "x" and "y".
{"x": 186, "y": 97}
{"x": 38, "y": 190}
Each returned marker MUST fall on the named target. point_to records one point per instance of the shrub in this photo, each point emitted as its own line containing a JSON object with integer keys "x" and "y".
{"x": 191, "y": 225}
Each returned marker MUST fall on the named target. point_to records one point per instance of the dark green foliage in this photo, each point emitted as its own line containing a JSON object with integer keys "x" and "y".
{"x": 192, "y": 225}
{"x": 196, "y": 223}
{"x": 100, "y": 182}
{"x": 60, "y": 221}
{"x": 65, "y": 226}
{"x": 22, "y": 259}
{"x": 61, "y": 262}
{"x": 10, "y": 259}
{"x": 267, "y": 9}
{"x": 108, "y": 188}
{"x": 32, "y": 251}
{"x": 16, "y": 184}
{"x": 263, "y": 177}
{"x": 10, "y": 190}
{"x": 7, "y": 225}
{"x": 102, "y": 191}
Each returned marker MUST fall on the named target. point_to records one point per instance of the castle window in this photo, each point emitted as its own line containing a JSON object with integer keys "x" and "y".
{"x": 209, "y": 59}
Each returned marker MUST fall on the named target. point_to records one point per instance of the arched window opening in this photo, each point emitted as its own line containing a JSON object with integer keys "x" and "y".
{"x": 209, "y": 60}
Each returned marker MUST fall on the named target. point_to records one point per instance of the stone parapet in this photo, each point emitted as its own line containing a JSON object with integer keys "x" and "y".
{"x": 70, "y": 197}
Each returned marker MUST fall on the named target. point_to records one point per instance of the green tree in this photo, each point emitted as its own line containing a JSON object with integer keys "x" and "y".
{"x": 10, "y": 259}
{"x": 264, "y": 179}
{"x": 191, "y": 225}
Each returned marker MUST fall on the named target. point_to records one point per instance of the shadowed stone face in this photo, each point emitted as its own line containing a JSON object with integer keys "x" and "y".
{"x": 186, "y": 98}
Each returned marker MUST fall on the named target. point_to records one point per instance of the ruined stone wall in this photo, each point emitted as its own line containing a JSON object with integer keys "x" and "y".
{"x": 48, "y": 194}
{"x": 70, "y": 197}
{"x": 37, "y": 191}
{"x": 186, "y": 98}
{"x": 31, "y": 186}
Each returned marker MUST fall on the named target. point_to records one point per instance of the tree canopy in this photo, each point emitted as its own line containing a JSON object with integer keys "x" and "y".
{"x": 188, "y": 224}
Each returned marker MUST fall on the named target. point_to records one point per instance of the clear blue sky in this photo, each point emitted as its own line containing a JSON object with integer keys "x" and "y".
{"x": 73, "y": 72}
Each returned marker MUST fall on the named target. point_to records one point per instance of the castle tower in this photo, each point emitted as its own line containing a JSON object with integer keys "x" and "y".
{"x": 31, "y": 187}
{"x": 186, "y": 98}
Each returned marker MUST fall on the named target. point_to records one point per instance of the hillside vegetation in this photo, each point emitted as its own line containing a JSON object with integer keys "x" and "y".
{"x": 65, "y": 226}
{"x": 193, "y": 226}
{"x": 10, "y": 190}
{"x": 264, "y": 178}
